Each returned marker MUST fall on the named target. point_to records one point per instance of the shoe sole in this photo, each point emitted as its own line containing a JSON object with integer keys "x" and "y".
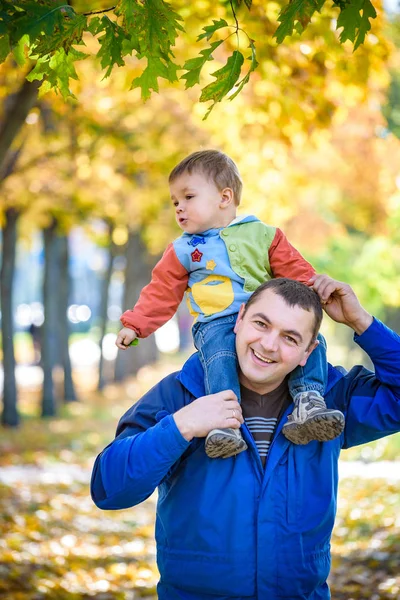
{"x": 220, "y": 444}
{"x": 321, "y": 428}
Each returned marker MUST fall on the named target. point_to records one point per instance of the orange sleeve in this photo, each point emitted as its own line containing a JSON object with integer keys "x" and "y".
{"x": 286, "y": 261}
{"x": 159, "y": 300}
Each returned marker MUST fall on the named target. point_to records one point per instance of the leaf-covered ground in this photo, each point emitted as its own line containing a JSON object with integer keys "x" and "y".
{"x": 55, "y": 544}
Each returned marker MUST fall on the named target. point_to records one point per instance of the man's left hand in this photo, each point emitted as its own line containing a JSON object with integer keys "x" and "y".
{"x": 340, "y": 303}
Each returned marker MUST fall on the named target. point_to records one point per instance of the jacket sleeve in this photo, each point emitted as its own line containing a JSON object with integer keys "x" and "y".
{"x": 371, "y": 401}
{"x": 286, "y": 261}
{"x": 147, "y": 446}
{"x": 159, "y": 300}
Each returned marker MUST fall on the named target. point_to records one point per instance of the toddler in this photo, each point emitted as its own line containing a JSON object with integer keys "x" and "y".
{"x": 219, "y": 261}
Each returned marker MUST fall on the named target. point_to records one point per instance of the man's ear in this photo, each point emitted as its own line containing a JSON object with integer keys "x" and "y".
{"x": 239, "y": 317}
{"x": 227, "y": 198}
{"x": 310, "y": 348}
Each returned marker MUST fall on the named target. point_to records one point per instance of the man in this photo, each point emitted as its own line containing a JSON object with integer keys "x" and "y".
{"x": 255, "y": 526}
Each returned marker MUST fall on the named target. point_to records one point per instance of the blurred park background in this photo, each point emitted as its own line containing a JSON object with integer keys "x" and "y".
{"x": 85, "y": 213}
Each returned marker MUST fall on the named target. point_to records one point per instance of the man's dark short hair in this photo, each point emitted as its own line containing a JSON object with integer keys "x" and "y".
{"x": 294, "y": 293}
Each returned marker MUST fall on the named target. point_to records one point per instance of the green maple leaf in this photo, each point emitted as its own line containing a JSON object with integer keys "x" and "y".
{"x": 19, "y": 50}
{"x": 349, "y": 18}
{"x": 193, "y": 66}
{"x": 253, "y": 67}
{"x": 132, "y": 17}
{"x": 299, "y": 11}
{"x": 160, "y": 27}
{"x": 355, "y": 20}
{"x": 211, "y": 29}
{"x": 40, "y": 20}
{"x": 56, "y": 71}
{"x": 156, "y": 68}
{"x": 226, "y": 78}
{"x": 368, "y": 12}
{"x": 69, "y": 32}
{"x": 4, "y": 22}
{"x": 132, "y": 14}
{"x": 5, "y": 48}
{"x": 151, "y": 29}
{"x": 40, "y": 70}
{"x": 111, "y": 43}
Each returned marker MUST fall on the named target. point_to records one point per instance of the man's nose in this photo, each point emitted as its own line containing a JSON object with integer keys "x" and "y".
{"x": 269, "y": 342}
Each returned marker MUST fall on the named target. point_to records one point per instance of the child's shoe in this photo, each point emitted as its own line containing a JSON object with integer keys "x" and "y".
{"x": 312, "y": 420}
{"x": 223, "y": 443}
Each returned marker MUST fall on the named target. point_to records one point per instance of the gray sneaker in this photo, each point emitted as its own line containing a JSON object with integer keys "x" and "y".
{"x": 223, "y": 443}
{"x": 312, "y": 420}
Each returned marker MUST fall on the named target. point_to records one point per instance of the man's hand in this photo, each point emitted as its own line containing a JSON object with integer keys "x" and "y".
{"x": 340, "y": 303}
{"x": 199, "y": 417}
{"x": 125, "y": 337}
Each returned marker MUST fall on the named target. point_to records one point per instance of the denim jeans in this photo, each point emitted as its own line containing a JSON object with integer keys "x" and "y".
{"x": 215, "y": 342}
{"x": 314, "y": 375}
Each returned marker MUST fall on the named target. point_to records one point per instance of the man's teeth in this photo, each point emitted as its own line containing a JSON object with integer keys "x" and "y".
{"x": 266, "y": 360}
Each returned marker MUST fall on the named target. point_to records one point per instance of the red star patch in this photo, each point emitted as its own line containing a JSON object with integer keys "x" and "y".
{"x": 196, "y": 255}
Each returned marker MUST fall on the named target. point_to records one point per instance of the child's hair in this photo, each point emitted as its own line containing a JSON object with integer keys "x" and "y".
{"x": 216, "y": 166}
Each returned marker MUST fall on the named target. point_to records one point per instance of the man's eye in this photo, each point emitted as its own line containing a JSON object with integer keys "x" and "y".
{"x": 260, "y": 323}
{"x": 290, "y": 339}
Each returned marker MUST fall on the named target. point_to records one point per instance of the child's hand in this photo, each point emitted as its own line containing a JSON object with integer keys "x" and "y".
{"x": 325, "y": 286}
{"x": 125, "y": 337}
{"x": 341, "y": 303}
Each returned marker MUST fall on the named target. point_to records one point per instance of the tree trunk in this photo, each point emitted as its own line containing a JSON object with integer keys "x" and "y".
{"x": 104, "y": 303}
{"x": 10, "y": 416}
{"x": 50, "y": 350}
{"x": 19, "y": 105}
{"x": 64, "y": 288}
{"x": 137, "y": 275}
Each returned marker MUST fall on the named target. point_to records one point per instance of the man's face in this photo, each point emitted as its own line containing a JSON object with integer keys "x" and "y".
{"x": 272, "y": 339}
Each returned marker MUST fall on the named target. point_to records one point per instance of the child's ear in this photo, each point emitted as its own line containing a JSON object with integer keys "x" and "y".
{"x": 227, "y": 198}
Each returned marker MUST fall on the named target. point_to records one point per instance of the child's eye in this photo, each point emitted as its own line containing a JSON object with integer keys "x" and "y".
{"x": 176, "y": 203}
{"x": 188, "y": 197}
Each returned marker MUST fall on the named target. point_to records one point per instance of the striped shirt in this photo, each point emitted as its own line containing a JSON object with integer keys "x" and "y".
{"x": 262, "y": 413}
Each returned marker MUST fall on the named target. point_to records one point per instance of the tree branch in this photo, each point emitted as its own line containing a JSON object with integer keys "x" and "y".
{"x": 98, "y": 12}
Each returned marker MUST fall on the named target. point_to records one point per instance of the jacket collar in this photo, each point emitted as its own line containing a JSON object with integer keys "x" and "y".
{"x": 215, "y": 231}
{"x": 242, "y": 219}
{"x": 192, "y": 376}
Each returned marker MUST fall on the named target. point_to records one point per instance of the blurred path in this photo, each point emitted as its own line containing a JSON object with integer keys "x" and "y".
{"x": 27, "y": 376}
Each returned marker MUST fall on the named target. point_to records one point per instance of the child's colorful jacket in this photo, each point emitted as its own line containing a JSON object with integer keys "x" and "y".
{"x": 218, "y": 269}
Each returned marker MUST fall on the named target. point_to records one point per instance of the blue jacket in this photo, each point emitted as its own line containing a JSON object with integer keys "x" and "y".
{"x": 226, "y": 528}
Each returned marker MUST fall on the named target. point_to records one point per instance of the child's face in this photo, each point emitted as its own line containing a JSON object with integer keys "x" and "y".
{"x": 199, "y": 205}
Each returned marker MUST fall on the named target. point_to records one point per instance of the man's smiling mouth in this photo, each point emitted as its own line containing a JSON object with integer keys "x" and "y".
{"x": 262, "y": 358}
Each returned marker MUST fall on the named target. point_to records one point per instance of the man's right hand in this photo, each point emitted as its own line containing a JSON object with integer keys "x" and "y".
{"x": 215, "y": 411}
{"x": 125, "y": 337}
